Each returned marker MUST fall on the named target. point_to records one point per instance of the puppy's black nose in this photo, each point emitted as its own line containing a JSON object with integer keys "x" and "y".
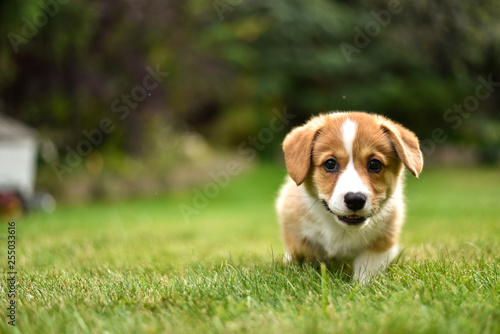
{"x": 354, "y": 201}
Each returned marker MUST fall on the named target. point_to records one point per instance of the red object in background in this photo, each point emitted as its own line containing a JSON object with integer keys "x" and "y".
{"x": 10, "y": 205}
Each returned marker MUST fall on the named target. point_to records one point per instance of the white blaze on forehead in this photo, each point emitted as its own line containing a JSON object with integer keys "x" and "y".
{"x": 349, "y": 180}
{"x": 348, "y": 134}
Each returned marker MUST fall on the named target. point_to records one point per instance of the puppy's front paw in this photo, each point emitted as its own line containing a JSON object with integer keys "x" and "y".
{"x": 287, "y": 259}
{"x": 364, "y": 276}
{"x": 368, "y": 264}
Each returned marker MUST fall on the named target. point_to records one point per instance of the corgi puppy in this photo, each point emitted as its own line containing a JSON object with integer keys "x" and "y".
{"x": 343, "y": 199}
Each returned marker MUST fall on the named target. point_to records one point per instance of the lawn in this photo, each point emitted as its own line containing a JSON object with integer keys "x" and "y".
{"x": 138, "y": 266}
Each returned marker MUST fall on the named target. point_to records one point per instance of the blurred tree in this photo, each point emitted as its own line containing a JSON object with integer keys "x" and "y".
{"x": 230, "y": 63}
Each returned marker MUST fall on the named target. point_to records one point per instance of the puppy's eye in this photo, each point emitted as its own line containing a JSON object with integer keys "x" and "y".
{"x": 374, "y": 166}
{"x": 330, "y": 165}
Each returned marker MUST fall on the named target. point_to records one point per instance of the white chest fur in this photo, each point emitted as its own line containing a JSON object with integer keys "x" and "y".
{"x": 344, "y": 242}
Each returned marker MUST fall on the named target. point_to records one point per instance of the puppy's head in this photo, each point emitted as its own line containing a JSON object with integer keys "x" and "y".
{"x": 351, "y": 162}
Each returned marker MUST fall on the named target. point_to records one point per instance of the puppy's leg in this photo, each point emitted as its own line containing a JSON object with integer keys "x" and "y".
{"x": 367, "y": 264}
{"x": 301, "y": 250}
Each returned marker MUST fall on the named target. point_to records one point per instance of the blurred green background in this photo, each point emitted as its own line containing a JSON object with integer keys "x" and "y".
{"x": 171, "y": 90}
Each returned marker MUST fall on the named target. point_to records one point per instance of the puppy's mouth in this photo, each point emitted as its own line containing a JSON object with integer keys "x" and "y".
{"x": 352, "y": 219}
{"x": 349, "y": 220}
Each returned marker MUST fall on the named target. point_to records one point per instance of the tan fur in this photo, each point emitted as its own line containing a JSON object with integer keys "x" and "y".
{"x": 390, "y": 238}
{"x": 406, "y": 144}
{"x": 292, "y": 211}
{"x": 297, "y": 147}
{"x": 306, "y": 149}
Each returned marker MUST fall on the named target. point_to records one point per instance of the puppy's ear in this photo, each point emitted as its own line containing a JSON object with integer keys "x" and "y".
{"x": 298, "y": 145}
{"x": 406, "y": 144}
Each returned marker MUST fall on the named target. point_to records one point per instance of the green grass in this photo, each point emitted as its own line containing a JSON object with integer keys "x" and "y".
{"x": 138, "y": 267}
